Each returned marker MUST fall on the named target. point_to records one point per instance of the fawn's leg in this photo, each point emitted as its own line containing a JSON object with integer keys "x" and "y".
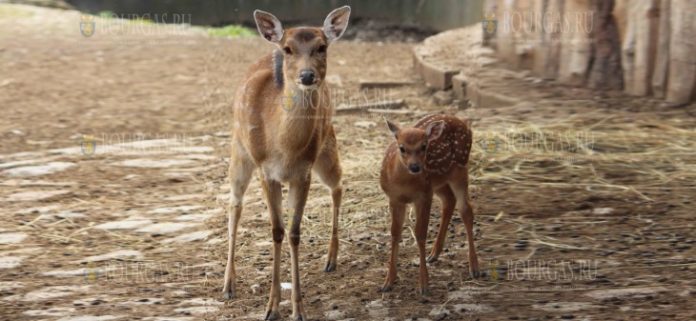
{"x": 240, "y": 172}
{"x": 328, "y": 168}
{"x": 422, "y": 219}
{"x": 461, "y": 190}
{"x": 297, "y": 198}
{"x": 398, "y": 213}
{"x": 272, "y": 190}
{"x": 448, "y": 202}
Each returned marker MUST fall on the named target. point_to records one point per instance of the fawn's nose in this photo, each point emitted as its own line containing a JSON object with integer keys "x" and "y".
{"x": 414, "y": 168}
{"x": 307, "y": 77}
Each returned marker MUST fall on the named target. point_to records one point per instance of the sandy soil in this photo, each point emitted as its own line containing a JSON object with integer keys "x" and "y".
{"x": 129, "y": 222}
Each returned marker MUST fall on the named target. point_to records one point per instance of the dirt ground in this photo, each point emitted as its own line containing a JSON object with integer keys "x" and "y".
{"x": 113, "y": 189}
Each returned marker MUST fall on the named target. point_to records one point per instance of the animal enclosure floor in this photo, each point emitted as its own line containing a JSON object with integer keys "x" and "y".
{"x": 113, "y": 190}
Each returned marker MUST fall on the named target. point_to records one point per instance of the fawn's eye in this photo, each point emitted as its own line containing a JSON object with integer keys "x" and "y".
{"x": 321, "y": 49}
{"x": 423, "y": 148}
{"x": 402, "y": 149}
{"x": 287, "y": 50}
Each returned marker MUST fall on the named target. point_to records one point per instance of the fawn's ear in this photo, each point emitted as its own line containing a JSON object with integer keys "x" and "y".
{"x": 434, "y": 130}
{"x": 269, "y": 26}
{"x": 394, "y": 128}
{"x": 336, "y": 23}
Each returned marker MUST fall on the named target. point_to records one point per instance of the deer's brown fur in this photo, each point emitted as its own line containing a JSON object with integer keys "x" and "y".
{"x": 430, "y": 158}
{"x": 282, "y": 126}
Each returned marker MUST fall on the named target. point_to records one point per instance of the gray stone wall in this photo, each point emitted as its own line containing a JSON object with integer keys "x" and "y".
{"x": 430, "y": 14}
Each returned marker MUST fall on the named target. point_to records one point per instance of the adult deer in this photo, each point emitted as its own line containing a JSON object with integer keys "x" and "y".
{"x": 429, "y": 158}
{"x": 282, "y": 126}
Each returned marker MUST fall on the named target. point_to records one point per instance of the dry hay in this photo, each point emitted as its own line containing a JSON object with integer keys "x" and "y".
{"x": 591, "y": 151}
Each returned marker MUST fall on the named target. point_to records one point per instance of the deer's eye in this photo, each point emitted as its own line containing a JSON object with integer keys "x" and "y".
{"x": 287, "y": 50}
{"x": 321, "y": 49}
{"x": 423, "y": 147}
{"x": 402, "y": 149}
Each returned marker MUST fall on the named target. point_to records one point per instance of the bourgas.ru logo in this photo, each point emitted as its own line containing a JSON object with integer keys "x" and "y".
{"x": 87, "y": 25}
{"x": 489, "y": 23}
{"x": 88, "y": 145}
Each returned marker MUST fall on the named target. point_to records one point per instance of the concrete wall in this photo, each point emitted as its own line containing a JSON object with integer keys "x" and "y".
{"x": 430, "y": 14}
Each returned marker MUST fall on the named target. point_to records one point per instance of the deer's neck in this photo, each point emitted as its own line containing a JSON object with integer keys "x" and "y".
{"x": 301, "y": 118}
{"x": 302, "y": 112}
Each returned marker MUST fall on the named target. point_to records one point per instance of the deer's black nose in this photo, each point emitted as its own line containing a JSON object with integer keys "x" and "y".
{"x": 414, "y": 168}
{"x": 307, "y": 77}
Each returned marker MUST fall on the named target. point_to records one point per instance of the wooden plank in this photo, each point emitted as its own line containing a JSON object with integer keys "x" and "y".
{"x": 391, "y": 111}
{"x": 385, "y": 104}
{"x": 366, "y": 84}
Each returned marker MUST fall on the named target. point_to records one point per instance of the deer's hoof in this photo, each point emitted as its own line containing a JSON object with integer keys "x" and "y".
{"x": 431, "y": 258}
{"x": 330, "y": 267}
{"x": 423, "y": 292}
{"x": 475, "y": 274}
{"x": 385, "y": 288}
{"x": 272, "y": 315}
{"x": 300, "y": 318}
{"x": 228, "y": 294}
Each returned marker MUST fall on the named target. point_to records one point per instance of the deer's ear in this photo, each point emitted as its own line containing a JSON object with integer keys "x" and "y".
{"x": 269, "y": 26}
{"x": 336, "y": 23}
{"x": 394, "y": 128}
{"x": 434, "y": 130}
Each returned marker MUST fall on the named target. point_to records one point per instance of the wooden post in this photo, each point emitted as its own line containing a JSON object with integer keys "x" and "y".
{"x": 682, "y": 65}
{"x": 659, "y": 79}
{"x": 549, "y": 49}
{"x": 576, "y": 50}
{"x": 605, "y": 72}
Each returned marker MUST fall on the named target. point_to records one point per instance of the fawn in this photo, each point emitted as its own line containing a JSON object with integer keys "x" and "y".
{"x": 282, "y": 125}
{"x": 430, "y": 157}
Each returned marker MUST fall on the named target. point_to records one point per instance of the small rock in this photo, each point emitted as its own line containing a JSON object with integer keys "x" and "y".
{"x": 52, "y": 292}
{"x": 334, "y": 315}
{"x": 38, "y": 170}
{"x": 12, "y": 238}
{"x": 602, "y": 210}
{"x": 439, "y": 313}
{"x": 35, "y": 195}
{"x": 365, "y": 124}
{"x": 442, "y": 98}
{"x": 91, "y": 318}
{"x": 112, "y": 255}
{"x": 189, "y": 237}
{"x": 155, "y": 163}
{"x": 10, "y": 262}
{"x": 165, "y": 228}
{"x": 123, "y": 225}
{"x": 475, "y": 308}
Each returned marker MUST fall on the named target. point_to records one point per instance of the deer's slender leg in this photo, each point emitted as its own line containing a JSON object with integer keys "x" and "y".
{"x": 297, "y": 198}
{"x": 328, "y": 168}
{"x": 461, "y": 190}
{"x": 422, "y": 219}
{"x": 240, "y": 171}
{"x": 448, "y": 202}
{"x": 272, "y": 190}
{"x": 398, "y": 213}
